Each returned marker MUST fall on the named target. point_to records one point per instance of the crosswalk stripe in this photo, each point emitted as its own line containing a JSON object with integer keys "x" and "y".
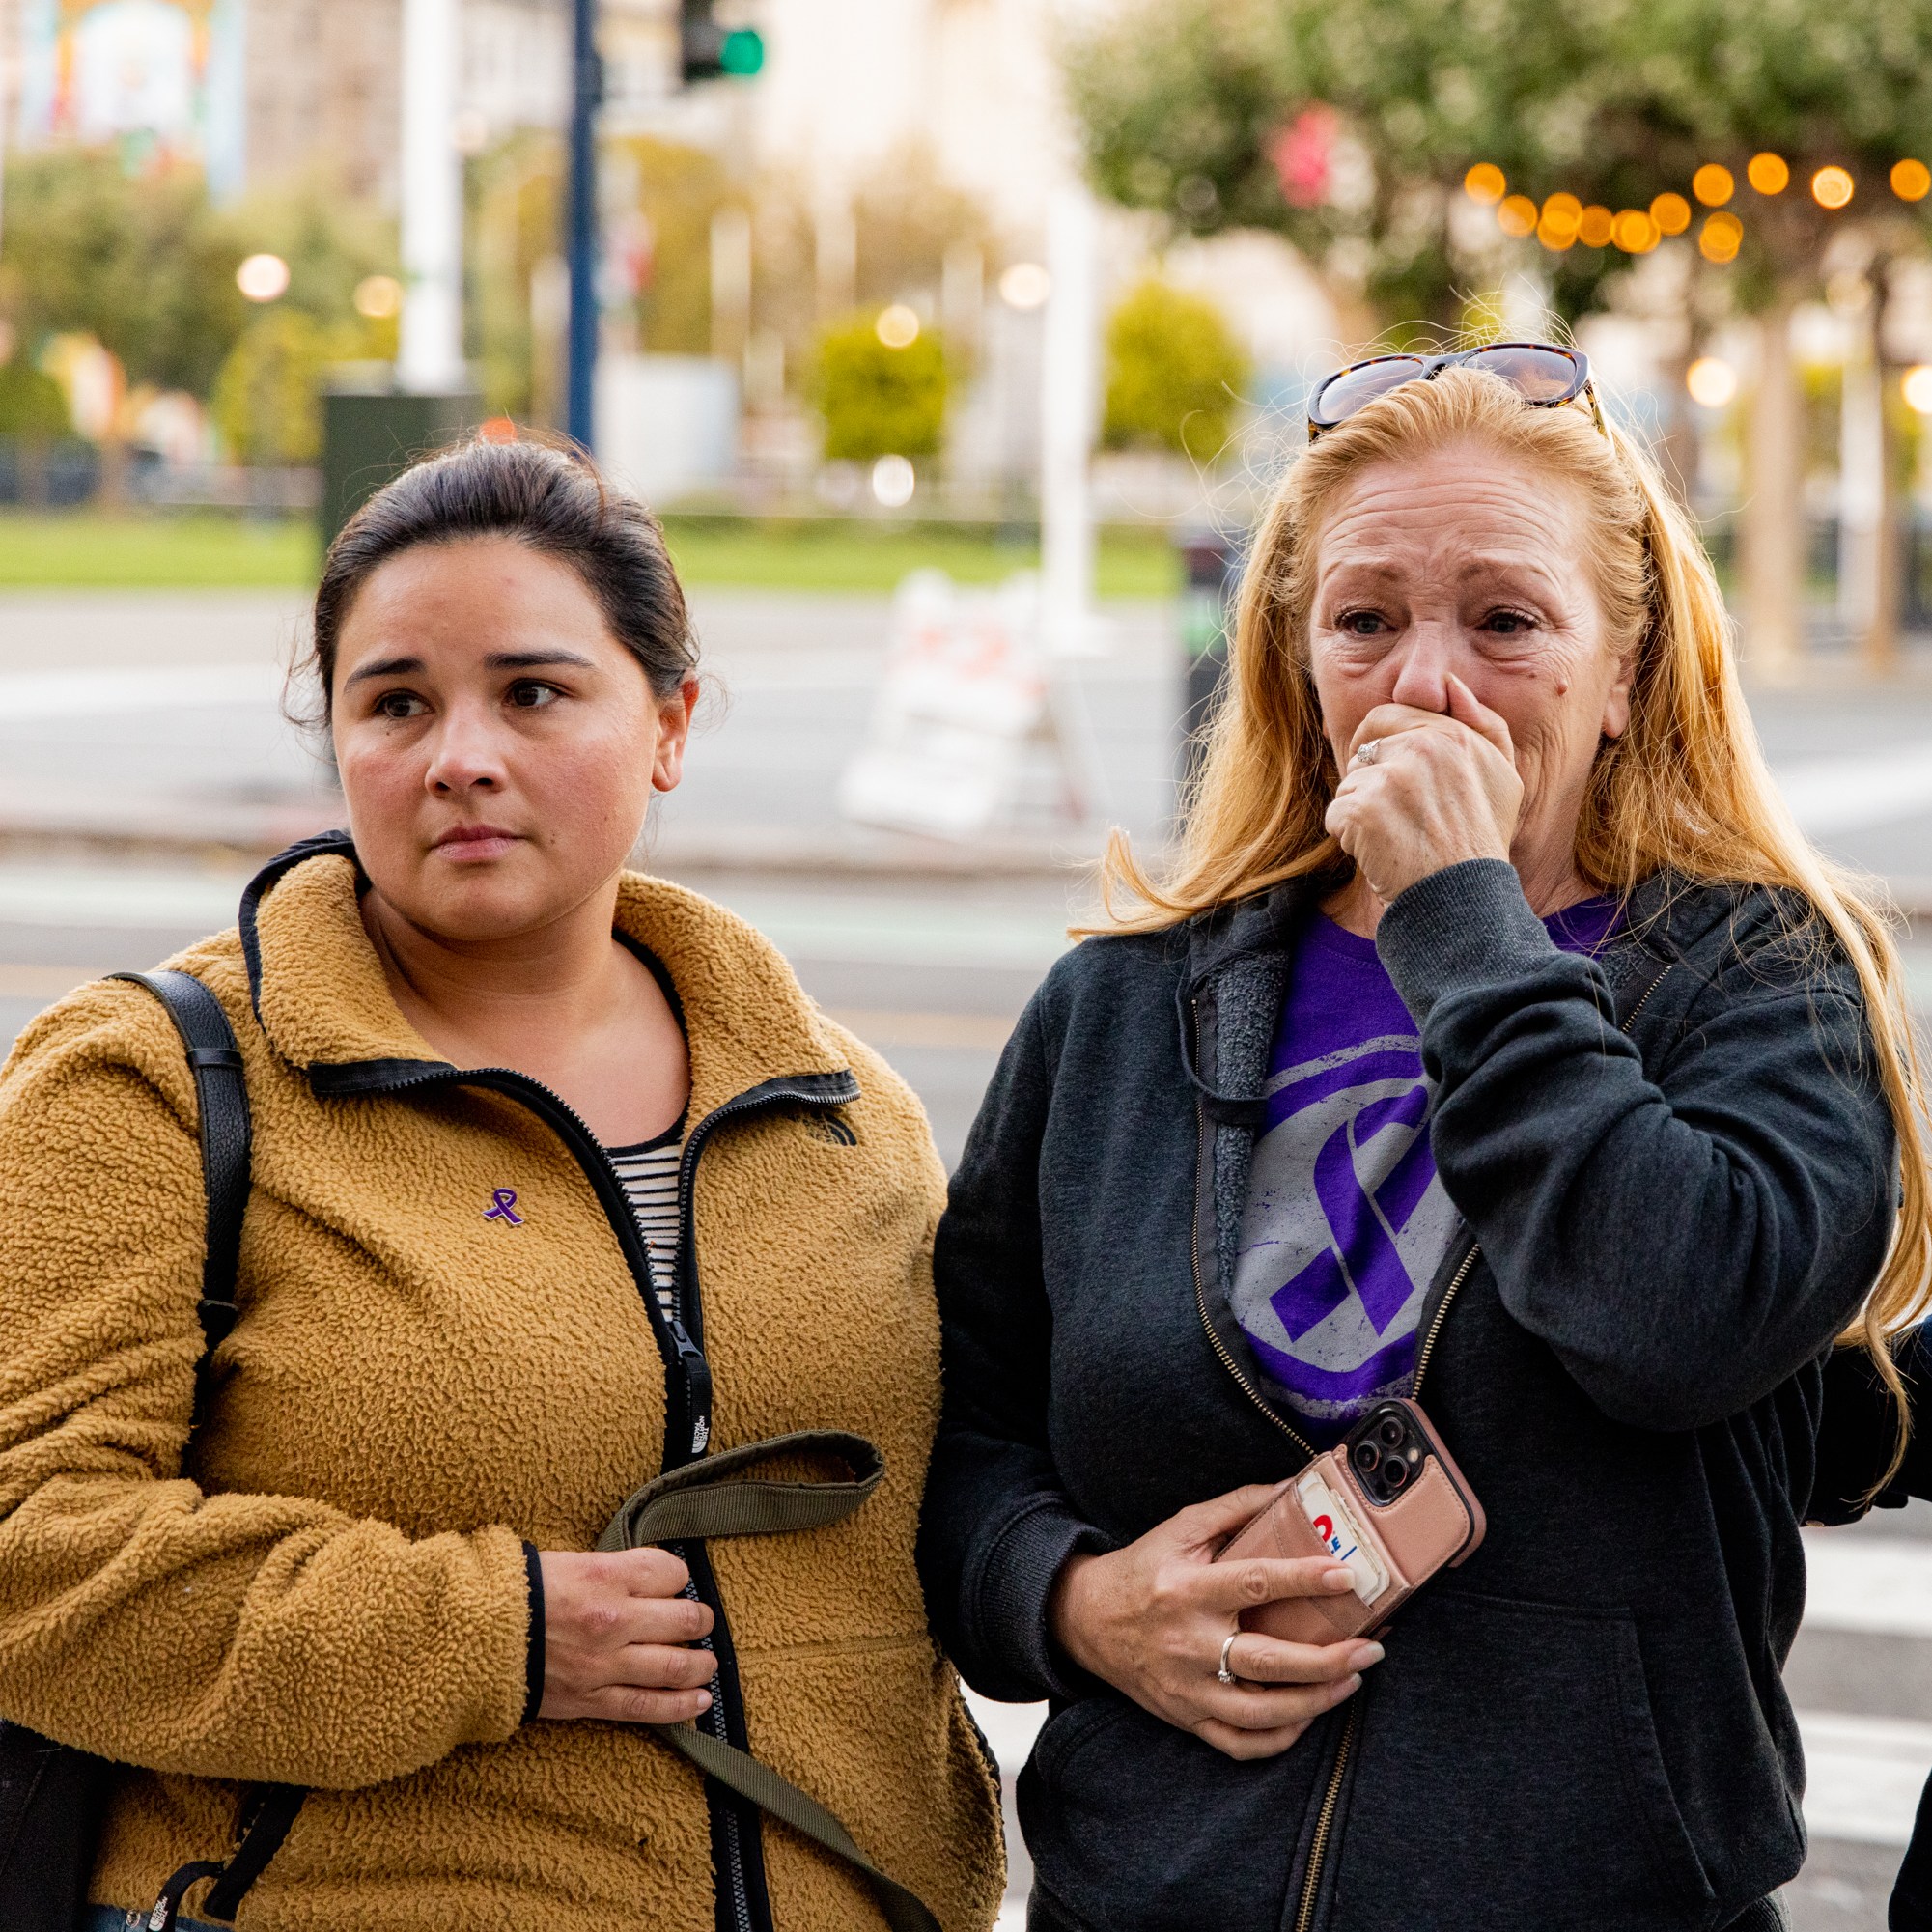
{"x": 1864, "y": 1776}
{"x": 1880, "y": 1584}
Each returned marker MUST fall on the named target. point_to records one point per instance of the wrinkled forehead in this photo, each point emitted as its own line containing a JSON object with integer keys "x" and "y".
{"x": 1469, "y": 509}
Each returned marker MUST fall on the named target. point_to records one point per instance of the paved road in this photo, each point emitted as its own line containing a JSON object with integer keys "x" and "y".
{"x": 129, "y": 705}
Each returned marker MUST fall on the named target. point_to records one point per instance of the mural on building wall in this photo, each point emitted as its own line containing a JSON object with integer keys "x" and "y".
{"x": 160, "y": 79}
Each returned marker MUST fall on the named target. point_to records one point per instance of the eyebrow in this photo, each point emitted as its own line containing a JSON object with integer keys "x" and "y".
{"x": 497, "y": 661}
{"x": 1473, "y": 570}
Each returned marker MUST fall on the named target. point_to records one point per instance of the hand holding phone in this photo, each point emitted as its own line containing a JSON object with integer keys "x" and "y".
{"x": 1389, "y": 1502}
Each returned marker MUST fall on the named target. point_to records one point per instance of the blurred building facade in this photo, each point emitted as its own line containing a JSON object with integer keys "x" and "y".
{"x": 260, "y": 91}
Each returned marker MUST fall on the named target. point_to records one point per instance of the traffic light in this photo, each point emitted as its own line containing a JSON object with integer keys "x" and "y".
{"x": 708, "y": 49}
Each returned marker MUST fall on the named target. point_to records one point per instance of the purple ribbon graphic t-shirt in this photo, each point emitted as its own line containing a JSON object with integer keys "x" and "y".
{"x": 1347, "y": 1222}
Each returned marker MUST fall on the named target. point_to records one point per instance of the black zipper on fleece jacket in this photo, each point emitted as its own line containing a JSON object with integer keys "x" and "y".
{"x": 742, "y": 1901}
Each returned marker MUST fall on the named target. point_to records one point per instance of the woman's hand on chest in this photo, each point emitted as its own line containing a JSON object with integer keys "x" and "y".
{"x": 618, "y": 1630}
{"x": 1157, "y": 1620}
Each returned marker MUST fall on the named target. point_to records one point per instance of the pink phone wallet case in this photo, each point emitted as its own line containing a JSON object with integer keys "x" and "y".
{"x": 1434, "y": 1522}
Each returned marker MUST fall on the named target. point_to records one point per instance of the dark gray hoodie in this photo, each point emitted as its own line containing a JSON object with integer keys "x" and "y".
{"x": 1676, "y": 1166}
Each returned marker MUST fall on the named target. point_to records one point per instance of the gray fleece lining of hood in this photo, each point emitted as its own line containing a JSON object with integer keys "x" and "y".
{"x": 1247, "y": 1010}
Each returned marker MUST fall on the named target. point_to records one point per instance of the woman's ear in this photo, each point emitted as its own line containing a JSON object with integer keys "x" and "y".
{"x": 674, "y": 730}
{"x": 1615, "y": 721}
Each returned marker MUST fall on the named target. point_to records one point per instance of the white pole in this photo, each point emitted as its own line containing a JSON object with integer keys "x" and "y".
{"x": 430, "y": 358}
{"x": 1069, "y": 384}
{"x": 1861, "y": 475}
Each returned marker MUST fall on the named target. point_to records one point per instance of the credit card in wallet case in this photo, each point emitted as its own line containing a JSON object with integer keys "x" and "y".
{"x": 1337, "y": 1531}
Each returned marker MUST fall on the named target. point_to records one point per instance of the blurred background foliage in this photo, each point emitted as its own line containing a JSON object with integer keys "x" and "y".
{"x": 1348, "y": 128}
{"x": 876, "y": 400}
{"x": 1175, "y": 373}
{"x": 145, "y": 264}
{"x": 32, "y": 405}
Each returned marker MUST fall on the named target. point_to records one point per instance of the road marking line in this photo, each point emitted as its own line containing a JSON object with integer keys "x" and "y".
{"x": 1010, "y": 1728}
{"x": 883, "y": 1028}
{"x": 31, "y": 697}
{"x": 1864, "y": 1776}
{"x": 1842, "y": 795}
{"x": 1877, "y": 1584}
{"x": 19, "y": 980}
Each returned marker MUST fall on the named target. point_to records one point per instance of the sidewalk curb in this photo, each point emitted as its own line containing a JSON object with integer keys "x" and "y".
{"x": 231, "y": 838}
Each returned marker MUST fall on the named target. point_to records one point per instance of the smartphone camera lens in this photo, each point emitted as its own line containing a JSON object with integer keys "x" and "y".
{"x": 1391, "y": 1431}
{"x": 1394, "y": 1472}
{"x": 1366, "y": 1456}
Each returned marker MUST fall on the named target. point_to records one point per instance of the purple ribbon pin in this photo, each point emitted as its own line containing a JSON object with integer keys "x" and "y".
{"x": 503, "y": 1207}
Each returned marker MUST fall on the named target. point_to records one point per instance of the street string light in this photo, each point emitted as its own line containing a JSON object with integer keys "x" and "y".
{"x": 1561, "y": 221}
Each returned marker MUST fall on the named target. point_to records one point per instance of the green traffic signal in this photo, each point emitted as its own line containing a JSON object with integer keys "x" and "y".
{"x": 742, "y": 53}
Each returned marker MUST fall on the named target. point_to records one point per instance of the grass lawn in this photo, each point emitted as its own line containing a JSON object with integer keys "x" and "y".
{"x": 95, "y": 550}
{"x": 832, "y": 556}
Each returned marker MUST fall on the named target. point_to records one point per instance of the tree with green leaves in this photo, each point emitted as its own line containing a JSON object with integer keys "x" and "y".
{"x": 877, "y": 399}
{"x": 1348, "y": 129}
{"x": 146, "y": 264}
{"x": 140, "y": 263}
{"x": 1174, "y": 374}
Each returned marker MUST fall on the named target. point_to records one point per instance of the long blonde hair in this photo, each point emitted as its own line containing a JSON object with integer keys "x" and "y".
{"x": 1684, "y": 790}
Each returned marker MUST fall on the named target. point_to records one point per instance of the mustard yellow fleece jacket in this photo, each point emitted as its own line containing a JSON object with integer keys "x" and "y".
{"x": 327, "y": 1587}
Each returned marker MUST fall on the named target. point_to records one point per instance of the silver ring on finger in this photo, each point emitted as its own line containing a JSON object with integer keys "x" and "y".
{"x": 1368, "y": 753}
{"x": 1225, "y": 1675}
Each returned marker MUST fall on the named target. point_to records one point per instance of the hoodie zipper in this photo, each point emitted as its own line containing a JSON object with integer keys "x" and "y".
{"x": 1304, "y": 1917}
{"x": 687, "y": 1348}
{"x": 1332, "y": 1797}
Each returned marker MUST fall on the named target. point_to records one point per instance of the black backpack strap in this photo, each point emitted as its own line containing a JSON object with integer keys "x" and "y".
{"x": 221, "y": 1094}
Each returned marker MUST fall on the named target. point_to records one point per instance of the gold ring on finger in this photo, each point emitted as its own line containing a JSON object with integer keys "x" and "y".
{"x": 1225, "y": 1675}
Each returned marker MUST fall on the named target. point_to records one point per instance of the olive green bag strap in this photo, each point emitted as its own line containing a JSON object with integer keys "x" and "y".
{"x": 709, "y": 1499}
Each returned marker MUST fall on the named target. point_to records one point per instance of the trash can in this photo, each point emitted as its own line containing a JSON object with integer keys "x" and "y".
{"x": 372, "y": 431}
{"x": 1213, "y": 563}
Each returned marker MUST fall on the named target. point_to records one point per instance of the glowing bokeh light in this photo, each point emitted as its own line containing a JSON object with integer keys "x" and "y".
{"x": 263, "y": 278}
{"x": 1485, "y": 183}
{"x": 1713, "y": 185}
{"x": 1721, "y": 237}
{"x": 1024, "y": 285}
{"x": 1910, "y": 181}
{"x": 1671, "y": 213}
{"x": 379, "y": 298}
{"x": 1832, "y": 187}
{"x": 893, "y": 481}
{"x": 1556, "y": 235}
{"x": 1517, "y": 215}
{"x": 1632, "y": 231}
{"x": 897, "y": 327}
{"x": 1711, "y": 381}
{"x": 1768, "y": 173}
{"x": 1593, "y": 229}
{"x": 1918, "y": 388}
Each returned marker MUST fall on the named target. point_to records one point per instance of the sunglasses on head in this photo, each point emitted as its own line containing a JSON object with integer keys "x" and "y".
{"x": 1543, "y": 373}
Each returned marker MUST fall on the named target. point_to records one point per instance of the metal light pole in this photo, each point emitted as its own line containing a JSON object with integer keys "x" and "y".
{"x": 373, "y": 428}
{"x": 430, "y": 361}
{"x": 1070, "y": 389}
{"x": 586, "y": 94}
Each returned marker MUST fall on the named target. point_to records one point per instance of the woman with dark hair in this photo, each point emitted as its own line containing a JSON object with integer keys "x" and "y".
{"x": 561, "y": 1186}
